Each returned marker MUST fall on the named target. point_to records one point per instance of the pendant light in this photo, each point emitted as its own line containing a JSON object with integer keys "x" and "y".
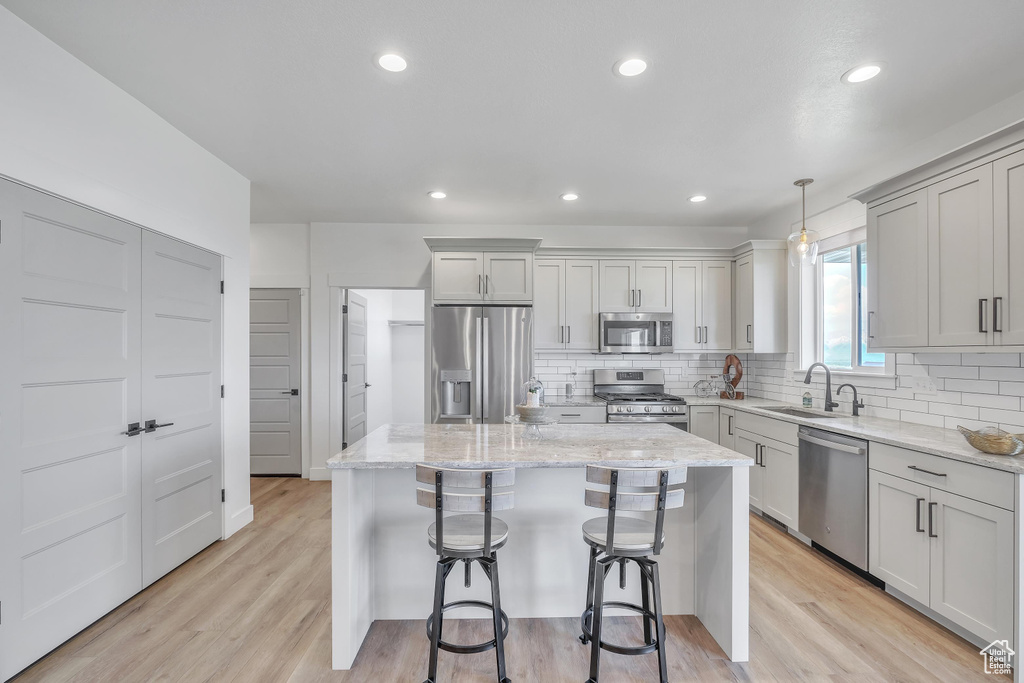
{"x": 803, "y": 245}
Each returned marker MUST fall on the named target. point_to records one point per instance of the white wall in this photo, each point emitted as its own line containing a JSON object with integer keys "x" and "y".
{"x": 279, "y": 255}
{"x": 408, "y": 360}
{"x": 67, "y": 130}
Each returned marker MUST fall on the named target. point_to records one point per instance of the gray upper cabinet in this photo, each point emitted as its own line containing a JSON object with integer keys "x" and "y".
{"x": 482, "y": 277}
{"x": 760, "y": 278}
{"x": 898, "y": 254}
{"x": 566, "y": 304}
{"x": 1008, "y": 189}
{"x": 629, "y": 286}
{"x": 702, "y": 305}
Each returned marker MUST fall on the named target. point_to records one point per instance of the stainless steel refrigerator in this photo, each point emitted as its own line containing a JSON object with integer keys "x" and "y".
{"x": 481, "y": 357}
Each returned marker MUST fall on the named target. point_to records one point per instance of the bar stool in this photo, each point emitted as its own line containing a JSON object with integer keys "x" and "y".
{"x": 614, "y": 539}
{"x": 468, "y": 537}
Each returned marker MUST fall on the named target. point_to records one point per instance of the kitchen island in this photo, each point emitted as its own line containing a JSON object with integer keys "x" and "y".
{"x": 382, "y": 566}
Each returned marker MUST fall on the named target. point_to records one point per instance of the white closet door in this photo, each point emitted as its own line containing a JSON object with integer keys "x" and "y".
{"x": 69, "y": 476}
{"x": 181, "y": 358}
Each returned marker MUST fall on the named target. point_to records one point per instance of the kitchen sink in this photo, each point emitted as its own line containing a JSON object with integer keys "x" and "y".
{"x": 798, "y": 412}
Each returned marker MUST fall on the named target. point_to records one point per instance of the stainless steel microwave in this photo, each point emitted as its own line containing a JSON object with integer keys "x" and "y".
{"x": 636, "y": 333}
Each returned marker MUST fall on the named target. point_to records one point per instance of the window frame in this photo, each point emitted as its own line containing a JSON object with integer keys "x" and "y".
{"x": 857, "y": 334}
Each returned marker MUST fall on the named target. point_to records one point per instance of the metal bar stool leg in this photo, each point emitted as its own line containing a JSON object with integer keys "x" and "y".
{"x": 435, "y": 636}
{"x": 588, "y": 617}
{"x": 598, "y": 618}
{"x": 499, "y": 640}
{"x": 660, "y": 623}
{"x": 645, "y": 590}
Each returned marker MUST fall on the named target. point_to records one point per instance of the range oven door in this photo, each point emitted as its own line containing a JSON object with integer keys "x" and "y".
{"x": 636, "y": 332}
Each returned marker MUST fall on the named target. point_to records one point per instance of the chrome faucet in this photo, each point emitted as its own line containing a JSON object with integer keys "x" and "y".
{"x": 857, "y": 405}
{"x": 829, "y": 403}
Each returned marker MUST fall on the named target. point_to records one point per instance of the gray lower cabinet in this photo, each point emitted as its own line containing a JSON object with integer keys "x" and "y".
{"x": 596, "y": 414}
{"x": 950, "y": 553}
{"x": 704, "y": 422}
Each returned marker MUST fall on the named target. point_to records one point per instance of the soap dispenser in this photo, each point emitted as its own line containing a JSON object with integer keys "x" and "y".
{"x": 807, "y": 399}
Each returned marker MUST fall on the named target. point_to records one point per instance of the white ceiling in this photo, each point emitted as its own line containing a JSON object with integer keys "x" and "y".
{"x": 506, "y": 105}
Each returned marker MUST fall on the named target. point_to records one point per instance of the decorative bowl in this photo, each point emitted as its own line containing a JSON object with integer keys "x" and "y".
{"x": 994, "y": 441}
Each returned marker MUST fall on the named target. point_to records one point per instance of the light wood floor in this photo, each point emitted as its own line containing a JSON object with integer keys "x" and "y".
{"x": 257, "y": 608}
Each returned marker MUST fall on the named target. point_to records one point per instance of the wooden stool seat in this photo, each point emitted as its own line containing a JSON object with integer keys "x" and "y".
{"x": 465, "y": 533}
{"x": 630, "y": 533}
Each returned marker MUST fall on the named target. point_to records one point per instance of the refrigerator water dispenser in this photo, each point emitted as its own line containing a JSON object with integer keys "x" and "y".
{"x": 456, "y": 392}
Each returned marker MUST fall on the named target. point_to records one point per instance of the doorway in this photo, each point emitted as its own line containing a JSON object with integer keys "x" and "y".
{"x": 383, "y": 359}
{"x": 275, "y": 389}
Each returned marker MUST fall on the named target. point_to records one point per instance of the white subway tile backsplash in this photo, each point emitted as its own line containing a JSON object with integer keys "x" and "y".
{"x": 1011, "y": 388}
{"x": 1003, "y": 374}
{"x": 992, "y": 401}
{"x": 1011, "y": 360}
{"x": 981, "y": 386}
{"x": 937, "y": 358}
{"x": 922, "y": 418}
{"x": 955, "y": 371}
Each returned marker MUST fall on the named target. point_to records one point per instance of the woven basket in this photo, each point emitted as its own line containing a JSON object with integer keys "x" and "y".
{"x": 994, "y": 441}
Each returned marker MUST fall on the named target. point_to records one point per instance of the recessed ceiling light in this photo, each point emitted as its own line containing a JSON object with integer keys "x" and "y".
{"x": 632, "y": 66}
{"x": 438, "y": 194}
{"x": 392, "y": 62}
{"x": 697, "y": 198}
{"x": 570, "y": 196}
{"x": 861, "y": 73}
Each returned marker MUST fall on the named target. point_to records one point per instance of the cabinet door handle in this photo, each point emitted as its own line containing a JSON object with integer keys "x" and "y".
{"x": 730, "y": 424}
{"x": 632, "y": 298}
{"x": 639, "y": 297}
{"x": 487, "y": 283}
{"x": 996, "y": 303}
{"x": 982, "y": 310}
{"x": 571, "y": 415}
{"x": 568, "y": 334}
{"x": 931, "y": 521}
{"x": 479, "y": 284}
{"x": 748, "y": 334}
{"x": 917, "y": 525}
{"x": 871, "y": 334}
{"x": 705, "y": 334}
{"x": 757, "y": 454}
{"x": 918, "y": 469}
{"x": 561, "y": 334}
{"x": 698, "y": 334}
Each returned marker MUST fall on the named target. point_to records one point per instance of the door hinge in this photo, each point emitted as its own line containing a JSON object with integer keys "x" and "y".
{"x": 223, "y": 496}
{"x": 221, "y": 286}
{"x": 344, "y": 377}
{"x": 344, "y": 445}
{"x": 222, "y": 391}
{"x": 344, "y": 308}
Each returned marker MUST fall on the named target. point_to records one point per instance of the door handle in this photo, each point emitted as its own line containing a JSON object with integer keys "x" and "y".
{"x": 133, "y": 429}
{"x": 568, "y": 334}
{"x": 479, "y": 284}
{"x": 705, "y": 334}
{"x": 292, "y": 392}
{"x": 748, "y": 334}
{"x": 996, "y": 303}
{"x": 152, "y": 426}
{"x": 367, "y": 385}
{"x": 485, "y": 412}
{"x": 632, "y": 298}
{"x": 639, "y": 298}
{"x": 917, "y": 525}
{"x": 982, "y": 310}
{"x": 730, "y": 424}
{"x": 919, "y": 469}
{"x": 931, "y": 521}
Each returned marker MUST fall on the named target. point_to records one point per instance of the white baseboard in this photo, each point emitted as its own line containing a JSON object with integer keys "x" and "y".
{"x": 319, "y": 474}
{"x": 238, "y": 520}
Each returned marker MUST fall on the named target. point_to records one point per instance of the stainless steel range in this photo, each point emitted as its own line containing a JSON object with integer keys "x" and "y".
{"x": 639, "y": 396}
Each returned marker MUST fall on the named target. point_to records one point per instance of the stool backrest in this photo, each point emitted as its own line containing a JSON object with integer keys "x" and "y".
{"x": 650, "y": 490}
{"x": 484, "y": 499}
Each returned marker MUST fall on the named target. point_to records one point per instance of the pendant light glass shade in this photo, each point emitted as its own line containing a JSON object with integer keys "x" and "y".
{"x": 803, "y": 244}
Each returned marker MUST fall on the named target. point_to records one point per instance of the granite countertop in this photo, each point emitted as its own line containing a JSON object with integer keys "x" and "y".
{"x": 395, "y": 446}
{"x": 580, "y": 400}
{"x": 946, "y": 443}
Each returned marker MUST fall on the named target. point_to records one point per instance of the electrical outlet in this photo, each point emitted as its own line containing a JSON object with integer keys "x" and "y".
{"x": 924, "y": 385}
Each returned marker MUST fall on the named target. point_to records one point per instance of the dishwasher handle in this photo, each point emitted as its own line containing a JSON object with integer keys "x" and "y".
{"x": 831, "y": 444}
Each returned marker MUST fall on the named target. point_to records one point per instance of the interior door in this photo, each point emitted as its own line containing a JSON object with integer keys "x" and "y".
{"x": 354, "y": 364}
{"x": 274, "y": 386}
{"x": 1008, "y": 189}
{"x": 581, "y": 305}
{"x": 654, "y": 286}
{"x": 716, "y": 305}
{"x": 181, "y": 378}
{"x": 686, "y": 306}
{"x": 549, "y": 304}
{"x": 972, "y": 564}
{"x": 960, "y": 259}
{"x": 69, "y": 475}
{"x": 898, "y": 549}
{"x": 897, "y": 234}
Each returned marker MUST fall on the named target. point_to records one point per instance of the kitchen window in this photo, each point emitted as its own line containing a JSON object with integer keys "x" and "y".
{"x": 841, "y": 340}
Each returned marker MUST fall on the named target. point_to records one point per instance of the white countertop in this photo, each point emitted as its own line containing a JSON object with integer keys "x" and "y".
{"x": 394, "y": 446}
{"x": 947, "y": 443}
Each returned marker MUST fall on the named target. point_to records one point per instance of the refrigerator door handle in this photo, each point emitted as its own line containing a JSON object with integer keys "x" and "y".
{"x": 485, "y": 369}
{"x": 478, "y": 380}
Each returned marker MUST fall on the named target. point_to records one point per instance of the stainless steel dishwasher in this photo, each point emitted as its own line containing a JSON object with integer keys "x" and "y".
{"x": 834, "y": 493}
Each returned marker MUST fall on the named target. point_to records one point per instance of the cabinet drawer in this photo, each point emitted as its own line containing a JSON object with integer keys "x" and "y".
{"x": 578, "y": 414}
{"x": 985, "y": 484}
{"x": 768, "y": 427}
